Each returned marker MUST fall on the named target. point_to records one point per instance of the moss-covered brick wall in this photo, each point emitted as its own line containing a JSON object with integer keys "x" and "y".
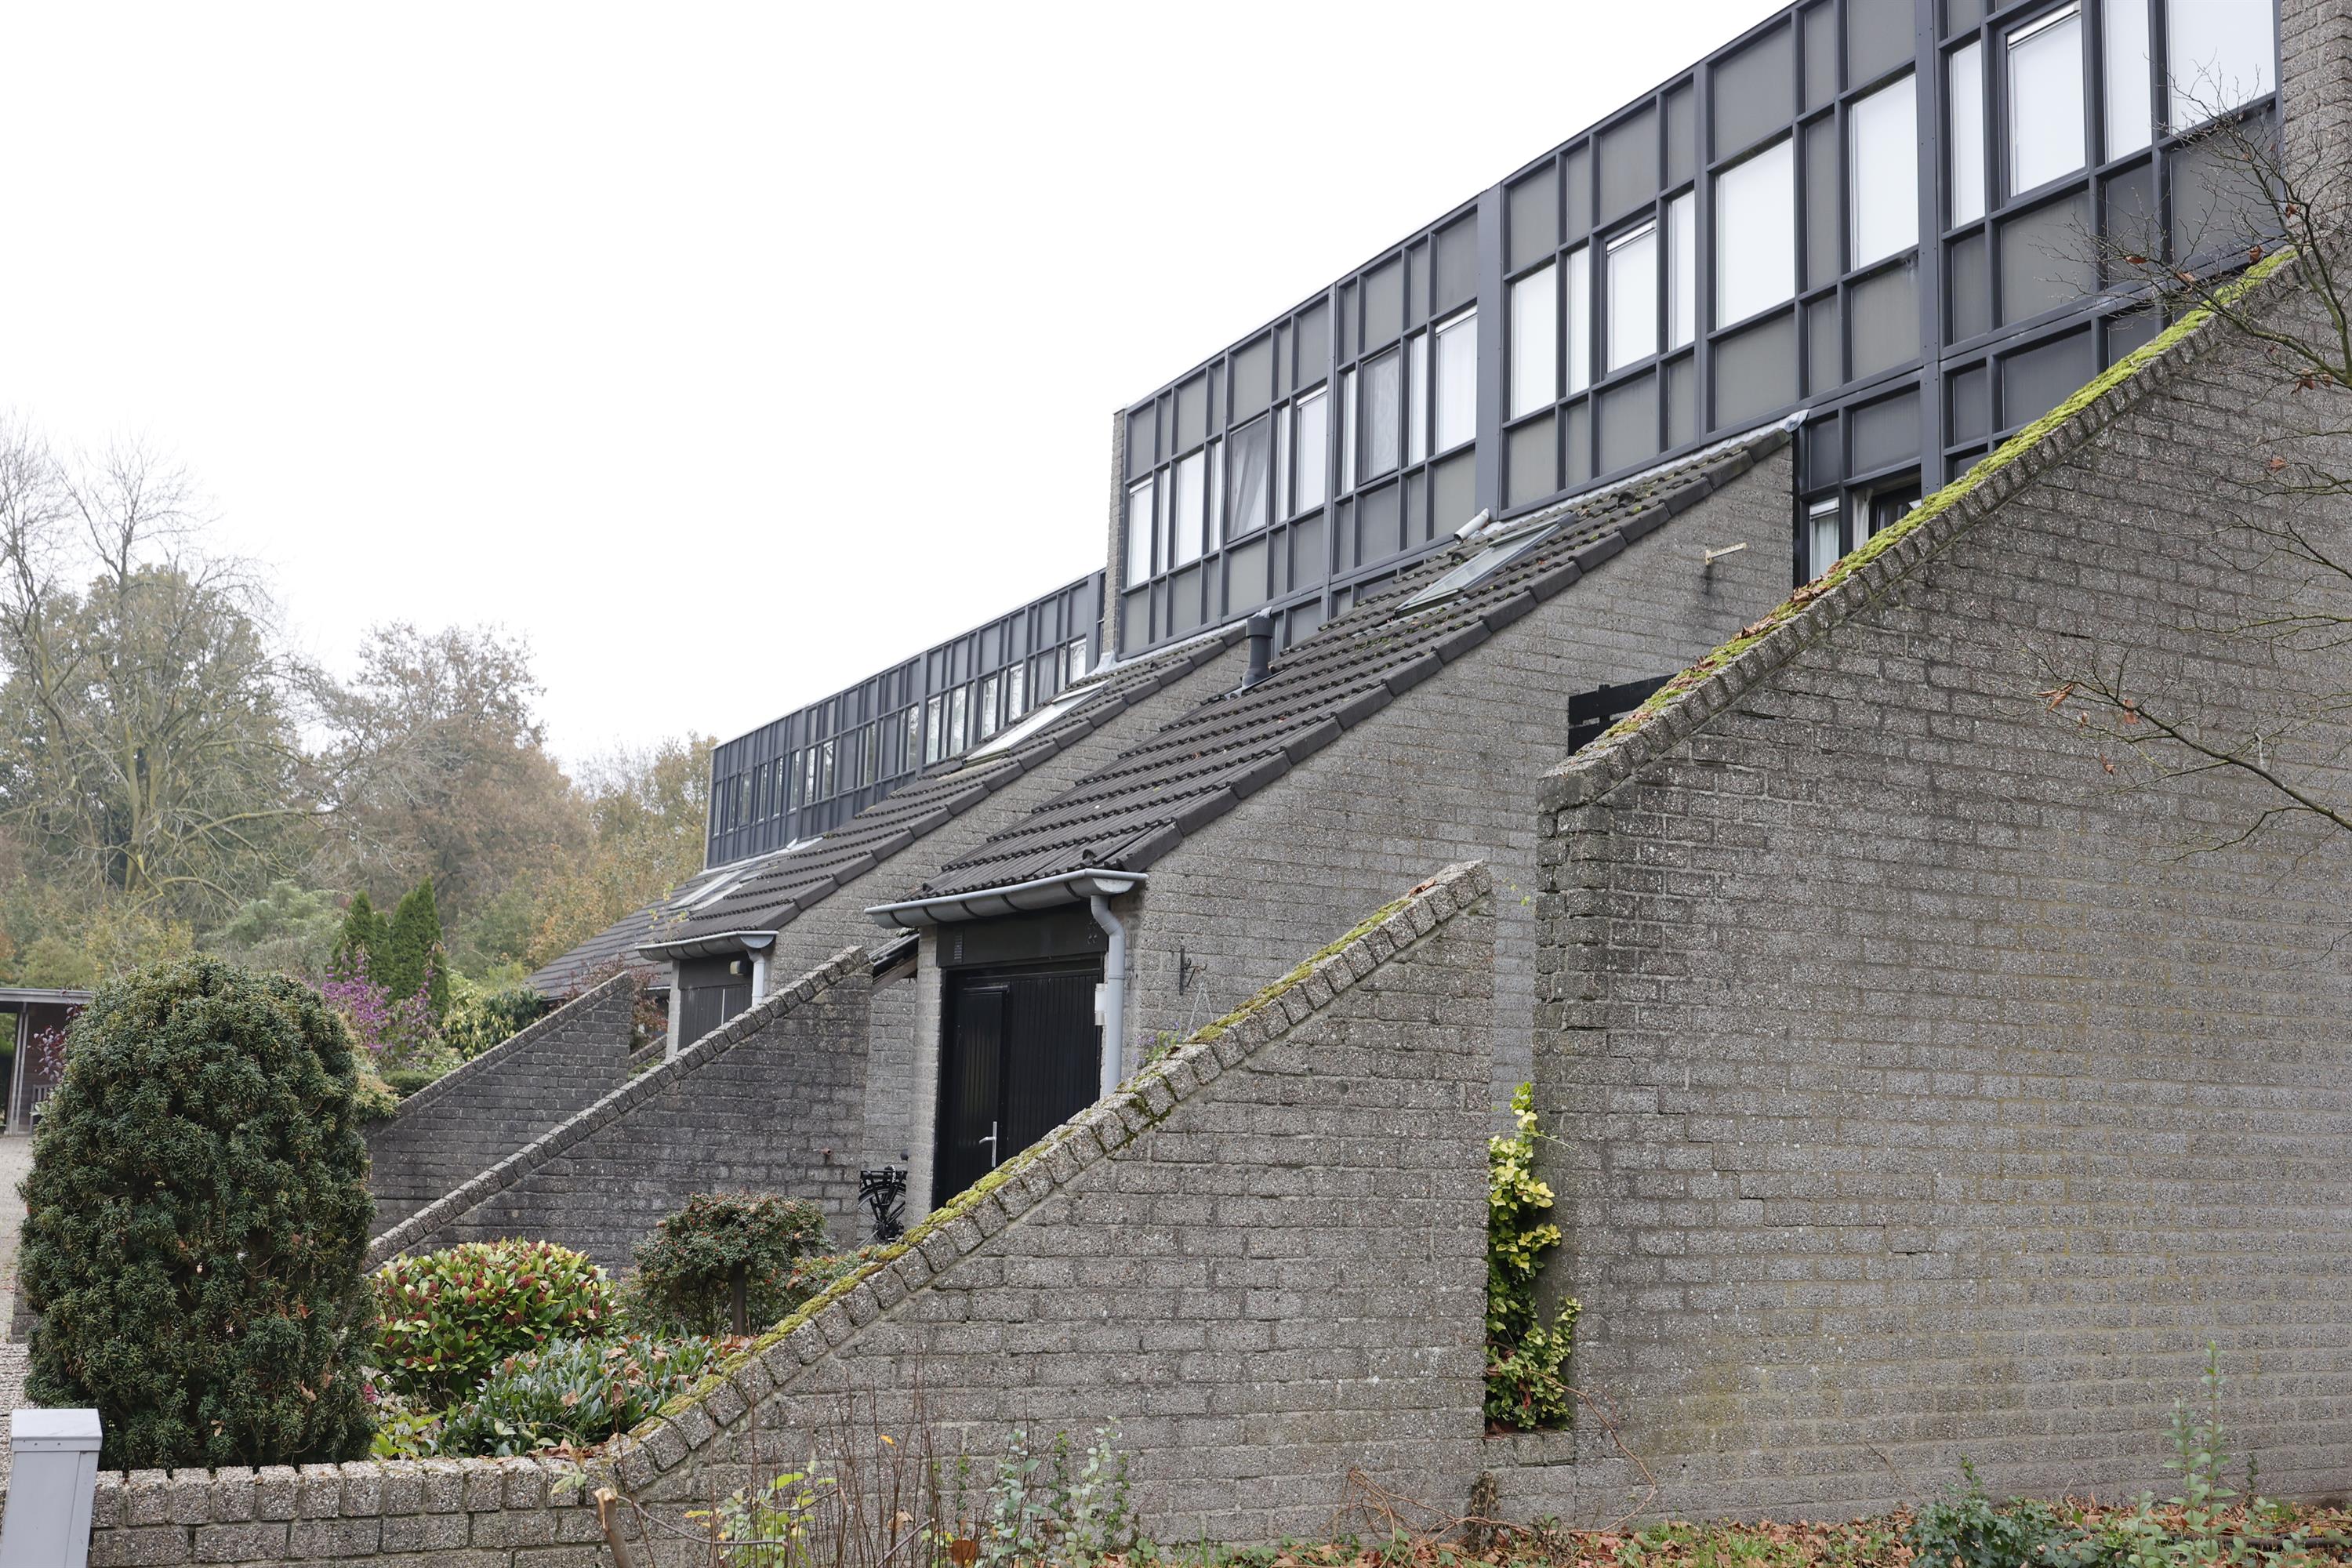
{"x": 1916, "y": 1095}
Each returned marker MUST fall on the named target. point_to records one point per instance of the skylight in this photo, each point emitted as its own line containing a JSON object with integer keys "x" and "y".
{"x": 1005, "y": 740}
{"x": 1488, "y": 562}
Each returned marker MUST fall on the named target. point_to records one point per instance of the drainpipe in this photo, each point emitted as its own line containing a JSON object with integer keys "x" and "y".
{"x": 1111, "y": 1007}
{"x": 760, "y": 949}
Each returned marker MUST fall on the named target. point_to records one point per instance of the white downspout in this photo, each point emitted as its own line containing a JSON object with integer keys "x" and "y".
{"x": 1111, "y": 1006}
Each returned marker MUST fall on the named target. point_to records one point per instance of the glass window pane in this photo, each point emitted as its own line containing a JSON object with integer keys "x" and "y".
{"x": 1682, "y": 247}
{"x": 1457, "y": 380}
{"x": 1968, "y": 149}
{"x": 2218, "y": 53}
{"x": 1138, "y": 538}
{"x": 2130, "y": 116}
{"x": 1216, "y": 531}
{"x": 1282, "y": 462}
{"x": 1755, "y": 234}
{"x": 983, "y": 717}
{"x": 1634, "y": 296}
{"x": 2045, "y": 100}
{"x": 1535, "y": 338}
{"x": 1821, "y": 548}
{"x": 1416, "y": 398}
{"x": 1249, "y": 453}
{"x": 1580, "y": 317}
{"x": 1313, "y": 459}
{"x": 1350, "y": 431}
{"x": 1883, "y": 160}
{"x": 1187, "y": 496}
{"x": 1381, "y": 426}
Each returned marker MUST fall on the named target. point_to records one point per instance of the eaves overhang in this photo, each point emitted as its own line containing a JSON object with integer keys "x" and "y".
{"x": 1012, "y": 898}
{"x": 711, "y": 944}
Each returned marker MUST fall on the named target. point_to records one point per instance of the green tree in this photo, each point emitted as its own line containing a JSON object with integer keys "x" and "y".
{"x": 153, "y": 751}
{"x": 649, "y": 811}
{"x": 415, "y": 958}
{"x": 291, "y": 930}
{"x": 198, "y": 1213}
{"x": 365, "y": 935}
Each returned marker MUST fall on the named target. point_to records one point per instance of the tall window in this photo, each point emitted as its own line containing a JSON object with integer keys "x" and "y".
{"x": 2218, "y": 53}
{"x": 1138, "y": 545}
{"x": 1634, "y": 296}
{"x": 2045, "y": 98}
{"x": 1535, "y": 338}
{"x": 1416, "y": 398}
{"x": 1187, "y": 494}
{"x": 1580, "y": 318}
{"x": 1882, "y": 156}
{"x": 2130, "y": 115}
{"x": 1246, "y": 471}
{"x": 1755, "y": 233}
{"x": 1456, "y": 393}
{"x": 1821, "y": 537}
{"x": 1381, "y": 415}
{"x": 1314, "y": 448}
{"x": 1682, "y": 267}
{"x": 1968, "y": 139}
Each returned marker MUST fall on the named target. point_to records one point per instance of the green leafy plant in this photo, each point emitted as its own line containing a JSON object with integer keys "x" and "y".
{"x": 376, "y": 1101}
{"x": 406, "y": 1081}
{"x": 448, "y": 1317}
{"x": 573, "y": 1393}
{"x": 197, "y": 1215}
{"x": 415, "y": 960}
{"x": 480, "y": 1018}
{"x": 1527, "y": 1358}
{"x": 687, "y": 1268}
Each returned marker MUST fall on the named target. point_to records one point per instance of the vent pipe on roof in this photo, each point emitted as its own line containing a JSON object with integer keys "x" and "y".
{"x": 1261, "y": 648}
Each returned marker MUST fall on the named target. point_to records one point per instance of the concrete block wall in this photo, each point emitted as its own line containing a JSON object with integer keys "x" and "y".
{"x": 1925, "y": 1080}
{"x": 1264, "y": 1261}
{"x": 1446, "y": 773}
{"x": 773, "y": 1101}
{"x": 471, "y": 1118}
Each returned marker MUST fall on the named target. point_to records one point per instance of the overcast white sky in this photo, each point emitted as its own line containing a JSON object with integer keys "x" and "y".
{"x": 727, "y": 353}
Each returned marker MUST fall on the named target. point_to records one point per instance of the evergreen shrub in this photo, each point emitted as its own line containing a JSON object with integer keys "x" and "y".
{"x": 686, "y": 1269}
{"x": 197, "y": 1215}
{"x": 446, "y": 1318}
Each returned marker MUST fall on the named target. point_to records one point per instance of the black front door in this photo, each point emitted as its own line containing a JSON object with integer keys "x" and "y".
{"x": 1021, "y": 1054}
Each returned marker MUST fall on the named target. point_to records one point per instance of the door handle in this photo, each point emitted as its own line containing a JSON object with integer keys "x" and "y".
{"x": 990, "y": 1142}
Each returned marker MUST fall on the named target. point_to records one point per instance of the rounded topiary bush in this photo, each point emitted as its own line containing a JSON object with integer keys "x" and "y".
{"x": 686, "y": 1268}
{"x": 446, "y": 1318}
{"x": 197, "y": 1215}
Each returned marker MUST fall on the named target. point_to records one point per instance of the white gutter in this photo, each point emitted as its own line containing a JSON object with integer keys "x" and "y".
{"x": 988, "y": 903}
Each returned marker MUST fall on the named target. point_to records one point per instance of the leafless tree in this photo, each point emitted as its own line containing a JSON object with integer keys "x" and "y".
{"x": 2256, "y": 245}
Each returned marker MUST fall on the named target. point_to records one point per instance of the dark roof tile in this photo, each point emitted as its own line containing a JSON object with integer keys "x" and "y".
{"x": 1143, "y": 804}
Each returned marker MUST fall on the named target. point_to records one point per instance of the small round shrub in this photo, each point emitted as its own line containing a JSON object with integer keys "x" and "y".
{"x": 406, "y": 1081}
{"x": 686, "y": 1269}
{"x": 446, "y": 1318}
{"x": 197, "y": 1215}
{"x": 575, "y": 1393}
{"x": 376, "y": 1101}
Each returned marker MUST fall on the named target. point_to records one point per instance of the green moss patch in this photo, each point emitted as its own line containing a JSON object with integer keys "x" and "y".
{"x": 1935, "y": 506}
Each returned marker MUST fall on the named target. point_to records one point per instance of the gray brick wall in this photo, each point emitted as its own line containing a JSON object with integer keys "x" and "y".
{"x": 1247, "y": 1378}
{"x": 476, "y": 1115}
{"x": 1918, "y": 1091}
{"x": 1446, "y": 773}
{"x": 1265, "y": 1263}
{"x": 772, "y": 1102}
